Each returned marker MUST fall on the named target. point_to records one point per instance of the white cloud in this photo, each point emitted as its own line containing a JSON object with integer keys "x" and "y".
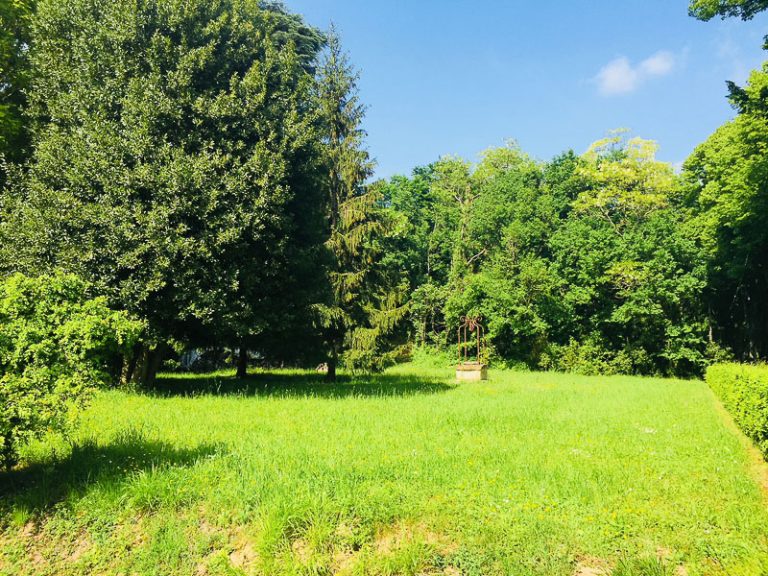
{"x": 660, "y": 64}
{"x": 619, "y": 76}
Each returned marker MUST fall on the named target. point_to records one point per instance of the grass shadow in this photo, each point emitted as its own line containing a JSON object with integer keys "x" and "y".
{"x": 38, "y": 486}
{"x": 298, "y": 384}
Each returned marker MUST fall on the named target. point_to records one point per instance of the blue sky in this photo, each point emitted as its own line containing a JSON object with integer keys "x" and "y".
{"x": 459, "y": 76}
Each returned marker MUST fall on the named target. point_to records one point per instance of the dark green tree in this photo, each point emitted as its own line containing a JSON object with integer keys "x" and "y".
{"x": 729, "y": 189}
{"x": 364, "y": 307}
{"x": 175, "y": 164}
{"x": 15, "y": 16}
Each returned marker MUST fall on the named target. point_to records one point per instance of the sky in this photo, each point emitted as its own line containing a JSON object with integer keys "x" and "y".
{"x": 456, "y": 77}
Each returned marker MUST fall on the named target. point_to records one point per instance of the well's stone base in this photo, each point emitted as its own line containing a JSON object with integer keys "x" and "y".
{"x": 471, "y": 372}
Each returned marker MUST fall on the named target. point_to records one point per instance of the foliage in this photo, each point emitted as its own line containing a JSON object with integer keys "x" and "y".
{"x": 395, "y": 473}
{"x": 363, "y": 308}
{"x": 625, "y": 182}
{"x": 57, "y": 345}
{"x": 743, "y": 390}
{"x": 635, "y": 273}
{"x": 728, "y": 192}
{"x": 203, "y": 165}
{"x": 582, "y": 263}
{"x": 175, "y": 163}
{"x": 591, "y": 356}
{"x": 14, "y": 76}
{"x": 744, "y": 9}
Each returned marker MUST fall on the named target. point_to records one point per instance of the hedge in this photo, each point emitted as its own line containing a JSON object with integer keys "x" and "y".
{"x": 743, "y": 389}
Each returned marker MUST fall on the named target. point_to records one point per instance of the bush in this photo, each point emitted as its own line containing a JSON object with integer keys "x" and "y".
{"x": 432, "y": 357}
{"x": 743, "y": 390}
{"x": 57, "y": 346}
{"x": 592, "y": 358}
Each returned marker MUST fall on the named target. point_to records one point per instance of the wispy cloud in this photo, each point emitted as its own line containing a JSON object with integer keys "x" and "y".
{"x": 620, "y": 76}
{"x": 730, "y": 55}
{"x": 660, "y": 64}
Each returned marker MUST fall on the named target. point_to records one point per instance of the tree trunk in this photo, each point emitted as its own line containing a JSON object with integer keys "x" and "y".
{"x": 331, "y": 374}
{"x": 129, "y": 368}
{"x": 116, "y": 372}
{"x": 151, "y": 360}
{"x": 156, "y": 358}
{"x": 242, "y": 361}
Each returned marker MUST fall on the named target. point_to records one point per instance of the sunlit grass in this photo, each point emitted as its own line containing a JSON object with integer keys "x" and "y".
{"x": 404, "y": 473}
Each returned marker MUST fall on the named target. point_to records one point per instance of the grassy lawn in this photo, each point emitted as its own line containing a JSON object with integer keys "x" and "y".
{"x": 403, "y": 473}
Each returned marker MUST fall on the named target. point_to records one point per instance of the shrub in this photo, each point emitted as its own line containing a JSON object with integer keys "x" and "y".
{"x": 432, "y": 357}
{"x": 743, "y": 390}
{"x": 593, "y": 357}
{"x": 56, "y": 347}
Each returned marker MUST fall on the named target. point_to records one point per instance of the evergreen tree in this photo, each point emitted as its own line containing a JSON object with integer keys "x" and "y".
{"x": 175, "y": 163}
{"x": 363, "y": 307}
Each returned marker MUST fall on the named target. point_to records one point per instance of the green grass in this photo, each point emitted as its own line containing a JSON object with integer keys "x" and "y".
{"x": 404, "y": 473}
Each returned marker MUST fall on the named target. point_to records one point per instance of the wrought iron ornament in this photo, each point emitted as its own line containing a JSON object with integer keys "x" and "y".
{"x": 471, "y": 329}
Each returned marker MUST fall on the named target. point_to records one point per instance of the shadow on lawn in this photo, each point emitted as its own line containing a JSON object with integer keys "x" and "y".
{"x": 41, "y": 485}
{"x": 298, "y": 384}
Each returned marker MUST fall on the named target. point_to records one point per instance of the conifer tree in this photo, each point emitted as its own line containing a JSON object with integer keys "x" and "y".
{"x": 363, "y": 306}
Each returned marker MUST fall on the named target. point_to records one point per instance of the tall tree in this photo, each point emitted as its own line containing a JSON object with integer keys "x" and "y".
{"x": 363, "y": 308}
{"x": 727, "y": 178}
{"x": 176, "y": 150}
{"x": 15, "y": 18}
{"x": 727, "y": 174}
{"x": 635, "y": 271}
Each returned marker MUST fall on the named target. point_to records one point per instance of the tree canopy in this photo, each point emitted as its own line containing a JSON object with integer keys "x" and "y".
{"x": 15, "y": 17}
{"x": 174, "y": 162}
{"x": 744, "y": 9}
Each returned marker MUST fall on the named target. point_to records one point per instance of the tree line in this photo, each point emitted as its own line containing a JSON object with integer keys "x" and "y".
{"x": 201, "y": 166}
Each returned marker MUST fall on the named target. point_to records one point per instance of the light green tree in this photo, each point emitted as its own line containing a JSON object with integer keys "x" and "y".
{"x": 626, "y": 182}
{"x": 57, "y": 346}
{"x": 744, "y": 9}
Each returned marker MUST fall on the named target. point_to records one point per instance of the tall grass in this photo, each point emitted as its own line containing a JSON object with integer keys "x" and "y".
{"x": 405, "y": 473}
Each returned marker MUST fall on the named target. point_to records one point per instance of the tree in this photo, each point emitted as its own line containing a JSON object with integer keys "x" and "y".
{"x": 14, "y": 76}
{"x": 584, "y": 263}
{"x": 744, "y": 9}
{"x": 363, "y": 308}
{"x": 57, "y": 346}
{"x": 175, "y": 164}
{"x": 634, "y": 271}
{"x": 626, "y": 183}
{"x": 729, "y": 193}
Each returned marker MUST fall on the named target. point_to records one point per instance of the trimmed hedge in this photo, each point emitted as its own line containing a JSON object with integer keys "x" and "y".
{"x": 743, "y": 390}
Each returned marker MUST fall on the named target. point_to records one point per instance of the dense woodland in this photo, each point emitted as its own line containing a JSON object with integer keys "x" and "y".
{"x": 201, "y": 168}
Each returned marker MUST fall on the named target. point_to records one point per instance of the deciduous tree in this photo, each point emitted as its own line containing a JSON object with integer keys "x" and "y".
{"x": 15, "y": 16}
{"x": 744, "y": 9}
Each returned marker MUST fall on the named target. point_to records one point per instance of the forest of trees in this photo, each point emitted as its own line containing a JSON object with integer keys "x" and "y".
{"x": 202, "y": 167}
